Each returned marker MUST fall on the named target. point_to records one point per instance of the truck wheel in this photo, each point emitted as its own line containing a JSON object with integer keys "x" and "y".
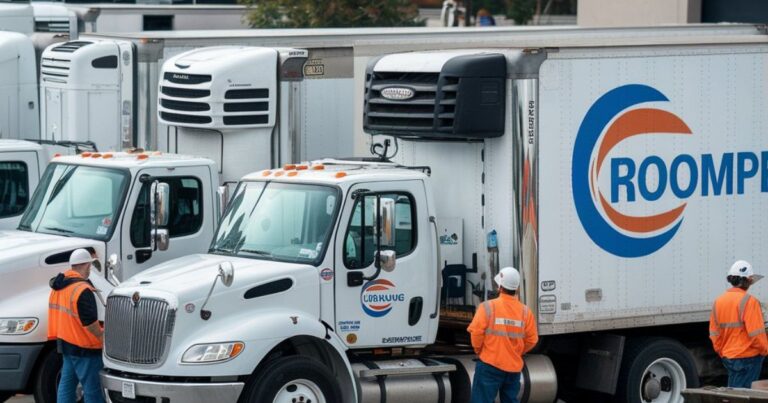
{"x": 655, "y": 370}
{"x": 292, "y": 379}
{"x": 47, "y": 379}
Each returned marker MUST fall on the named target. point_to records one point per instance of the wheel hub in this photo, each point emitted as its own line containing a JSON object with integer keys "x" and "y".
{"x": 651, "y": 389}
{"x": 300, "y": 391}
{"x": 662, "y": 382}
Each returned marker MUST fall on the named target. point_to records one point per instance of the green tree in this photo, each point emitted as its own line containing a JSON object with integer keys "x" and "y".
{"x": 521, "y": 11}
{"x": 332, "y": 13}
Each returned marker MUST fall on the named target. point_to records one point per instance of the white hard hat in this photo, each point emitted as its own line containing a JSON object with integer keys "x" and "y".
{"x": 741, "y": 268}
{"x": 508, "y": 278}
{"x": 80, "y": 256}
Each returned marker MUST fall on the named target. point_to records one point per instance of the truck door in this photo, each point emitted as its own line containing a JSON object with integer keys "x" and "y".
{"x": 387, "y": 306}
{"x": 190, "y": 224}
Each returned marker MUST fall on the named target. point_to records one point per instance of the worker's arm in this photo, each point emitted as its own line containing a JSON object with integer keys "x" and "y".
{"x": 714, "y": 335}
{"x": 755, "y": 326}
{"x": 531, "y": 333}
{"x": 88, "y": 313}
{"x": 477, "y": 328}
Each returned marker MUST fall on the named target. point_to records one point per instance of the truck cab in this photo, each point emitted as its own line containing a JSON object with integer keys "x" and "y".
{"x": 330, "y": 257}
{"x": 132, "y": 210}
{"x": 21, "y": 163}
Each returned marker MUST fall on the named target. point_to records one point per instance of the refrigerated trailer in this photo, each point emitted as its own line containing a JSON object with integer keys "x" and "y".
{"x": 336, "y": 57}
{"x": 622, "y": 177}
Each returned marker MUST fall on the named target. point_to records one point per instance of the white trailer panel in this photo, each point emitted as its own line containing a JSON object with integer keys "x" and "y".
{"x": 634, "y": 146}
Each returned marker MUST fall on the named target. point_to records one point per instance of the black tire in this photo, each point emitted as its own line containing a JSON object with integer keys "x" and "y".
{"x": 46, "y": 377}
{"x": 278, "y": 375}
{"x": 638, "y": 356}
{"x": 6, "y": 395}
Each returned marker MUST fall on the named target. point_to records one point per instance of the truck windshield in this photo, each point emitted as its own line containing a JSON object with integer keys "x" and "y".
{"x": 278, "y": 221}
{"x": 76, "y": 200}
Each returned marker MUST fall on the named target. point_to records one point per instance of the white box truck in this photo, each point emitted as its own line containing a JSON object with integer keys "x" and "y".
{"x": 622, "y": 177}
{"x": 103, "y": 202}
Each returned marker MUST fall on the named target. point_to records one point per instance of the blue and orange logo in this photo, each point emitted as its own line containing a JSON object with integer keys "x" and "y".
{"x": 613, "y": 118}
{"x": 377, "y": 297}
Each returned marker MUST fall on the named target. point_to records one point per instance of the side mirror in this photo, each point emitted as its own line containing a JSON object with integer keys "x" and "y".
{"x": 159, "y": 211}
{"x": 162, "y": 239}
{"x": 113, "y": 266}
{"x": 387, "y": 260}
{"x": 227, "y": 276}
{"x": 387, "y": 217}
{"x": 162, "y": 200}
{"x": 227, "y": 273}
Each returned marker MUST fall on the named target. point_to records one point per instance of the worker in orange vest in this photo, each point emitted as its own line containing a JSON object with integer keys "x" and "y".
{"x": 737, "y": 329}
{"x": 502, "y": 331}
{"x": 73, "y": 322}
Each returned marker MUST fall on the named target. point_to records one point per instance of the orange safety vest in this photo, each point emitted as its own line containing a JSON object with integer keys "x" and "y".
{"x": 502, "y": 330}
{"x": 736, "y": 325}
{"x": 63, "y": 317}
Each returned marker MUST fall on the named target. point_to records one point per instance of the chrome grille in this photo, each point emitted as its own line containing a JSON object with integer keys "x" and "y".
{"x": 137, "y": 334}
{"x": 416, "y": 113}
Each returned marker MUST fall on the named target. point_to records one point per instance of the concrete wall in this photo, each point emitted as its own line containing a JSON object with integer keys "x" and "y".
{"x": 606, "y": 13}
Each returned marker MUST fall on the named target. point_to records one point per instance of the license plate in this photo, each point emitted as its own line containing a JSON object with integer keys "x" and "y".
{"x": 129, "y": 390}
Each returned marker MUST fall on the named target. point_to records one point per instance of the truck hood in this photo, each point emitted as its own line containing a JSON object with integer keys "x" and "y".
{"x": 189, "y": 278}
{"x": 266, "y": 303}
{"x": 28, "y": 260}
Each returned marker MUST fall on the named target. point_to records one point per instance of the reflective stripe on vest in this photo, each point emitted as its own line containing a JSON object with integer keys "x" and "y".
{"x": 731, "y": 325}
{"x": 493, "y": 320}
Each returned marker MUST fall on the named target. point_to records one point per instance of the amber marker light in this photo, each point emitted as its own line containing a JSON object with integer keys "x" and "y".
{"x": 340, "y": 175}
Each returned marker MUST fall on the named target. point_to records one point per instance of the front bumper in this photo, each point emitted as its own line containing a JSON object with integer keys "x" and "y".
{"x": 16, "y": 364}
{"x": 173, "y": 392}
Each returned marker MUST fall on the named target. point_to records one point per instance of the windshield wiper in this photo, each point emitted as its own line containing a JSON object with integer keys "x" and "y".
{"x": 220, "y": 250}
{"x": 62, "y": 230}
{"x": 59, "y": 185}
{"x": 256, "y": 252}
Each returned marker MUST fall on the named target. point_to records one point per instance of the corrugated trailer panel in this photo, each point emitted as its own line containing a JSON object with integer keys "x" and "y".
{"x": 617, "y": 250}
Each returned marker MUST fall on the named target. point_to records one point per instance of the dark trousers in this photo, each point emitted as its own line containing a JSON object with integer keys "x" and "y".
{"x": 490, "y": 381}
{"x": 743, "y": 371}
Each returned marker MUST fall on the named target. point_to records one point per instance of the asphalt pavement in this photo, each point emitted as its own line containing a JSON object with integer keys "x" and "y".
{"x": 22, "y": 399}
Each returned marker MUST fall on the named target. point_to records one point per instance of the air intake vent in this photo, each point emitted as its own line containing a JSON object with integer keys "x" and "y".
{"x": 178, "y": 118}
{"x": 466, "y": 100}
{"x": 185, "y": 106}
{"x": 246, "y": 120}
{"x": 247, "y": 93}
{"x": 52, "y": 25}
{"x": 246, "y": 107}
{"x": 189, "y": 79}
{"x": 54, "y": 69}
{"x": 70, "y": 47}
{"x": 185, "y": 92}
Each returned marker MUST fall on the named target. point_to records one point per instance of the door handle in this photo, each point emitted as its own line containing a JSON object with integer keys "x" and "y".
{"x": 354, "y": 278}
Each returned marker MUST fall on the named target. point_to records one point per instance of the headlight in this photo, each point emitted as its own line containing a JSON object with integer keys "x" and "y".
{"x": 17, "y": 326}
{"x": 216, "y": 352}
